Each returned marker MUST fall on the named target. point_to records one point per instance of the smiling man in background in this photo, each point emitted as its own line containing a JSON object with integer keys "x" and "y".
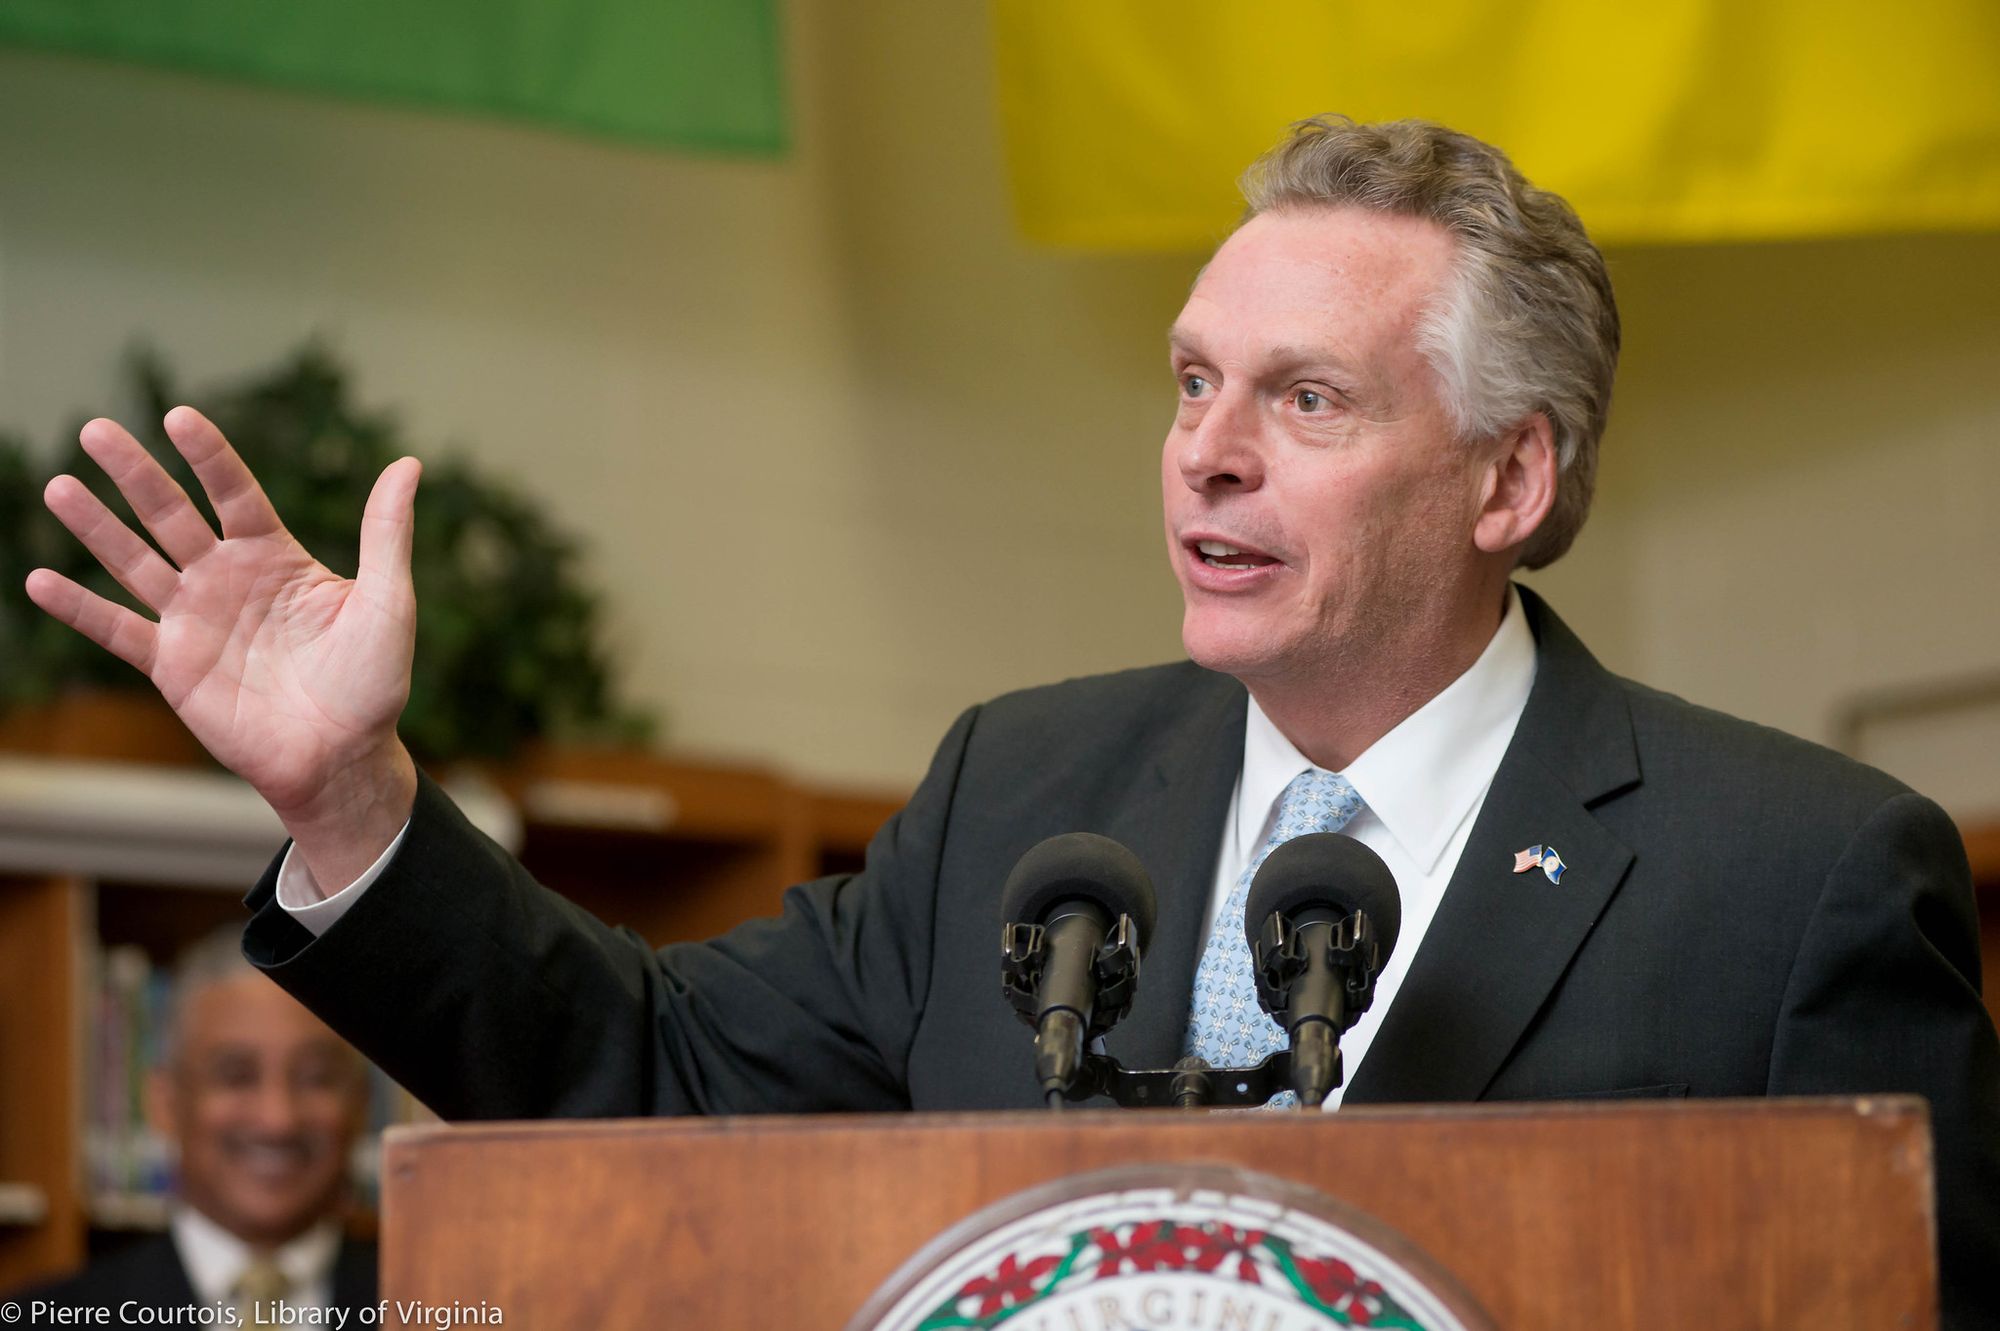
{"x": 261, "y": 1104}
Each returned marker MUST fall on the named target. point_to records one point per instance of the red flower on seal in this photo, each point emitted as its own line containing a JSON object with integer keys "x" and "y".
{"x": 1154, "y": 1246}
{"x": 1008, "y": 1287}
{"x": 1212, "y": 1245}
{"x": 1334, "y": 1283}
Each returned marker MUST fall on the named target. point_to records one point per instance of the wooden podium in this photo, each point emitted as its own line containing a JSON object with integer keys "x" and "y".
{"x": 1763, "y": 1213}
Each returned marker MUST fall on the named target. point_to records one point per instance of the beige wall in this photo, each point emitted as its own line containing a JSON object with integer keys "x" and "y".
{"x": 1801, "y": 492}
{"x": 851, "y": 456}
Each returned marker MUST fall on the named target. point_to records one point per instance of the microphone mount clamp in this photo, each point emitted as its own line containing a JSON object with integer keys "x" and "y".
{"x": 1024, "y": 951}
{"x": 1189, "y": 1084}
{"x": 1280, "y": 956}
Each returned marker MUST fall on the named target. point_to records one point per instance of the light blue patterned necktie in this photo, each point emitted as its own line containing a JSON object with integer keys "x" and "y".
{"x": 1225, "y": 1025}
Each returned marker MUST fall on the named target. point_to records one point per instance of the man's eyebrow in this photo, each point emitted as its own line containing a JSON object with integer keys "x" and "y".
{"x": 1286, "y": 358}
{"x": 1298, "y": 356}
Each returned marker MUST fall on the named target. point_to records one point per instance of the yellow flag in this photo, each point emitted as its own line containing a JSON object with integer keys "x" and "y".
{"x": 1128, "y": 121}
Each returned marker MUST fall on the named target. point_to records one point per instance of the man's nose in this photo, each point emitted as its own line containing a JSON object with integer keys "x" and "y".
{"x": 1223, "y": 451}
{"x": 277, "y": 1105}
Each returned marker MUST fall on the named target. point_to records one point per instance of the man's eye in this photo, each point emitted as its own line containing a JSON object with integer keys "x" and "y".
{"x": 232, "y": 1074}
{"x": 1307, "y": 400}
{"x": 1193, "y": 385}
{"x": 315, "y": 1077}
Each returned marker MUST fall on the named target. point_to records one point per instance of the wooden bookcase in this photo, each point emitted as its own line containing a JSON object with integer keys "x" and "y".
{"x": 676, "y": 849}
{"x": 42, "y": 1223}
{"x": 1982, "y": 848}
{"x": 608, "y": 829}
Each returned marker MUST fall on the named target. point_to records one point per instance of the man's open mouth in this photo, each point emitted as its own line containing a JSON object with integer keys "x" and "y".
{"x": 1220, "y": 554}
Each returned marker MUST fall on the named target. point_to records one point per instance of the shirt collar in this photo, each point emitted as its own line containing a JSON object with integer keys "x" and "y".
{"x": 215, "y": 1258}
{"x": 1423, "y": 777}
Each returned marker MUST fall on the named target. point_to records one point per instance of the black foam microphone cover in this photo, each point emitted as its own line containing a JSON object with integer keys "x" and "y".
{"x": 1080, "y": 866}
{"x": 1330, "y": 873}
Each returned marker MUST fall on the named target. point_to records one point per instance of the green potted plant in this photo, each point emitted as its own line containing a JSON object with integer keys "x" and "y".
{"x": 509, "y": 638}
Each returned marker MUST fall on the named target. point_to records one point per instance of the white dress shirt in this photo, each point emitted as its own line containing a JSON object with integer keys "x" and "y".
{"x": 302, "y": 899}
{"x": 215, "y": 1260}
{"x": 1424, "y": 783}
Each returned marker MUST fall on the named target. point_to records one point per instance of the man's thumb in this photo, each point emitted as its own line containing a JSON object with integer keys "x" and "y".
{"x": 388, "y": 527}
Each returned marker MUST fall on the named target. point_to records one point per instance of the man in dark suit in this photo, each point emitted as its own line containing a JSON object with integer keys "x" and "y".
{"x": 261, "y": 1104}
{"x": 153, "y": 1274}
{"x": 1393, "y": 378}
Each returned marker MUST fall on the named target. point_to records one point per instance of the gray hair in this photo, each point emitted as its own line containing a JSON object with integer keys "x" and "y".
{"x": 215, "y": 958}
{"x": 1526, "y": 323}
{"x": 211, "y": 959}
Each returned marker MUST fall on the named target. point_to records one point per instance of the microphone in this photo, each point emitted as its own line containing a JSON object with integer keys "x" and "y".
{"x": 1079, "y": 912}
{"x": 1321, "y": 920}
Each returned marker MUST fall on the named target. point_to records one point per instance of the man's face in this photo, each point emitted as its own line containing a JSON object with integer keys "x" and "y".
{"x": 264, "y": 1102}
{"x": 1316, "y": 497}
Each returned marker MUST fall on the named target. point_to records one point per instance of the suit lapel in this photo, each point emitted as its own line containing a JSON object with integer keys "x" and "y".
{"x": 354, "y": 1276}
{"x": 1500, "y": 941}
{"x": 161, "y": 1275}
{"x": 1177, "y": 833}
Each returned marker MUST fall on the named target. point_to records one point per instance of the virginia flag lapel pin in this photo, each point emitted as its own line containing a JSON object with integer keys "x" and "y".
{"x": 1543, "y": 858}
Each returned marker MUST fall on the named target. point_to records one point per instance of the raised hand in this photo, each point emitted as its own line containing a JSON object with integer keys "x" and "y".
{"x": 292, "y": 676}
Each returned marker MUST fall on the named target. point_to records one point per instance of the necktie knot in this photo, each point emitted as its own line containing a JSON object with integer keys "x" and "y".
{"x": 1314, "y": 801}
{"x": 262, "y": 1286}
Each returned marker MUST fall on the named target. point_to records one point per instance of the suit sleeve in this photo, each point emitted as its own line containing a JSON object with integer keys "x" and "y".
{"x": 1884, "y": 996}
{"x": 489, "y": 996}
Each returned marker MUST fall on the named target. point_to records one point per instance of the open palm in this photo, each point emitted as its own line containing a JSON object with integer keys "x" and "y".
{"x": 287, "y": 673}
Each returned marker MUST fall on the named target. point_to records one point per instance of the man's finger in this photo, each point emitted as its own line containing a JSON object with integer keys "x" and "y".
{"x": 388, "y": 530}
{"x": 159, "y": 501}
{"x": 128, "y": 636}
{"x": 239, "y": 501}
{"x": 137, "y": 566}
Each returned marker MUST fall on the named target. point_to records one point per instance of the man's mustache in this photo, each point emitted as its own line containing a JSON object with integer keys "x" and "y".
{"x": 303, "y": 1147}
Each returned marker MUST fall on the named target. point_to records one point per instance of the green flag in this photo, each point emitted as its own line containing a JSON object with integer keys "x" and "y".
{"x": 687, "y": 73}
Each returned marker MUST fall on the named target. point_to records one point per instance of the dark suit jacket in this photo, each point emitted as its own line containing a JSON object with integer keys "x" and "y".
{"x": 1744, "y": 914}
{"x": 149, "y": 1273}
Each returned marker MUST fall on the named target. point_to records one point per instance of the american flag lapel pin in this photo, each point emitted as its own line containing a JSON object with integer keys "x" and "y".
{"x": 1544, "y": 858}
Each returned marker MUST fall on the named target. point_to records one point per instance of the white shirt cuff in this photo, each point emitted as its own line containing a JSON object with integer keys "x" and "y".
{"x": 300, "y": 896}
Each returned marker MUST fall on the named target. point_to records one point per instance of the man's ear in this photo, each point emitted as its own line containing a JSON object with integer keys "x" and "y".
{"x": 1519, "y": 486}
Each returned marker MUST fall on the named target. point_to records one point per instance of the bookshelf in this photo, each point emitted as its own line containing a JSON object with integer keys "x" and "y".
{"x": 148, "y": 857}
{"x": 1982, "y": 849}
{"x": 40, "y": 946}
